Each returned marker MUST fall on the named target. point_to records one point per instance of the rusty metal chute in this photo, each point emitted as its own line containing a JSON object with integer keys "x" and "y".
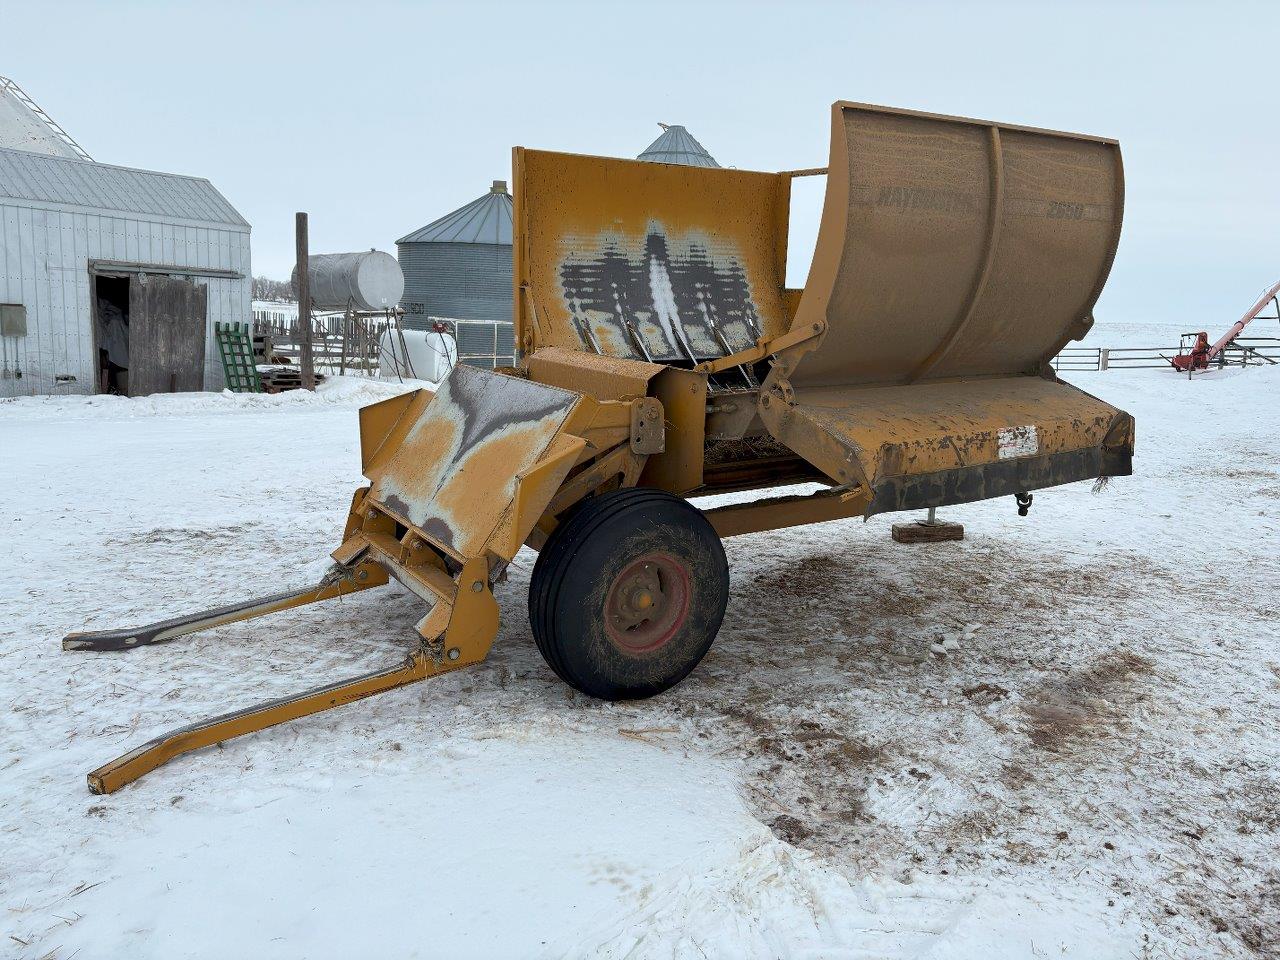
{"x": 955, "y": 248}
{"x": 955, "y": 257}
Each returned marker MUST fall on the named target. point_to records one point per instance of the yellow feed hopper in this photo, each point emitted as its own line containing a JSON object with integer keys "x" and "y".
{"x": 662, "y": 357}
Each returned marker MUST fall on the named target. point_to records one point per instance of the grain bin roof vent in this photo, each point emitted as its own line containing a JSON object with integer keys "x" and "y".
{"x": 677, "y": 145}
{"x": 487, "y": 219}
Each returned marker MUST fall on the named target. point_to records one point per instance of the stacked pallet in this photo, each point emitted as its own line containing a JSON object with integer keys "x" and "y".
{"x": 280, "y": 379}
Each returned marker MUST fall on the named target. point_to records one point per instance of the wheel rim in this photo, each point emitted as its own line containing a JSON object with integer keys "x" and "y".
{"x": 648, "y": 603}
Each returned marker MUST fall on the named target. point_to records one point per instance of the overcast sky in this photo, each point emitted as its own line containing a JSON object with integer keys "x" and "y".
{"x": 379, "y": 117}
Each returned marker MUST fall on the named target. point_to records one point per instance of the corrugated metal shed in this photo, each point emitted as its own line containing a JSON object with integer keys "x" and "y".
{"x": 63, "y": 222}
{"x": 677, "y": 145}
{"x": 457, "y": 269}
{"x": 102, "y": 188}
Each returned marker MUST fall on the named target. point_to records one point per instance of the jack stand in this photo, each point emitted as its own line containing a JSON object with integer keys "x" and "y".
{"x": 931, "y": 530}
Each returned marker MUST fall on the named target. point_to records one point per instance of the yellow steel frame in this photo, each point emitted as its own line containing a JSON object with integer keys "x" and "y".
{"x": 466, "y": 641}
{"x": 628, "y": 420}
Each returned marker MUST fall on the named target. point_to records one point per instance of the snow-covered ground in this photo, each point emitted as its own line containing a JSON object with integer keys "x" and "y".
{"x": 1166, "y": 336}
{"x": 1163, "y": 336}
{"x": 1090, "y": 771}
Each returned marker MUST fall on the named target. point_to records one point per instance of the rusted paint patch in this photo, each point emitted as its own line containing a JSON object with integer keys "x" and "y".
{"x": 658, "y": 297}
{"x": 454, "y": 476}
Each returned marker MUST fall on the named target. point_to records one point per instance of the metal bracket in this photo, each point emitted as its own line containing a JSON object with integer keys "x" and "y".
{"x": 648, "y": 430}
{"x": 782, "y": 390}
{"x": 764, "y": 347}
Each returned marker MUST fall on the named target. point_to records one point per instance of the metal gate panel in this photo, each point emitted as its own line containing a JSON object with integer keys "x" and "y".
{"x": 476, "y": 339}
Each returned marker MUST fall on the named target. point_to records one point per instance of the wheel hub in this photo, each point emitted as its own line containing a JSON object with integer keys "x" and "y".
{"x": 647, "y": 603}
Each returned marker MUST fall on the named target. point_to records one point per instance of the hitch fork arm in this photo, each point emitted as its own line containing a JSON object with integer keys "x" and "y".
{"x": 339, "y": 582}
{"x": 457, "y": 633}
{"x": 110, "y": 777}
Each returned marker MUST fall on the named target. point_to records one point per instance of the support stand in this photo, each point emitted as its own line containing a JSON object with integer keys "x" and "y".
{"x": 931, "y": 530}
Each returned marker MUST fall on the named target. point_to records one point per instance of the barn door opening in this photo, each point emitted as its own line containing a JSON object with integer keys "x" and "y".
{"x": 167, "y": 330}
{"x": 111, "y": 333}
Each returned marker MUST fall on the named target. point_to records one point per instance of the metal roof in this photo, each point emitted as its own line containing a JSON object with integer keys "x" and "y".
{"x": 677, "y": 145}
{"x": 108, "y": 189}
{"x": 25, "y": 126}
{"x": 486, "y": 219}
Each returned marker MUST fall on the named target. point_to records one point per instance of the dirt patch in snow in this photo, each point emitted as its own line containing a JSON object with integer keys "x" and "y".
{"x": 1082, "y": 705}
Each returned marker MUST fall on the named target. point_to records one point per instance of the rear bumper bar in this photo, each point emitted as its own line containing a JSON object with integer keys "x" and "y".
{"x": 1002, "y": 478}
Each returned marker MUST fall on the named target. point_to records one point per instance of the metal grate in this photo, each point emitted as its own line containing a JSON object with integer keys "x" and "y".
{"x": 480, "y": 343}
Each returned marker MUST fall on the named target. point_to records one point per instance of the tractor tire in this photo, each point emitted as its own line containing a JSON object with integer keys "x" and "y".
{"x": 628, "y": 594}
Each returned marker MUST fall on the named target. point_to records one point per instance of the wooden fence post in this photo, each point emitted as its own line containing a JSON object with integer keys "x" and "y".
{"x": 305, "y": 360}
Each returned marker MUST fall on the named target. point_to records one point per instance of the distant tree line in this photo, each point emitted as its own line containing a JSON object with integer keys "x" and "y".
{"x": 264, "y": 288}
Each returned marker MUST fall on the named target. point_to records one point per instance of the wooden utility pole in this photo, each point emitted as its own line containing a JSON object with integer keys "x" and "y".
{"x": 304, "y": 307}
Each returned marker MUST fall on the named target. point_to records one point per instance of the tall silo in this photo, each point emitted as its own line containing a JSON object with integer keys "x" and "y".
{"x": 457, "y": 271}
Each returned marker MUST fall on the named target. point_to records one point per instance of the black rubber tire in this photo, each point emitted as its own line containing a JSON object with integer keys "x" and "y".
{"x": 577, "y": 568}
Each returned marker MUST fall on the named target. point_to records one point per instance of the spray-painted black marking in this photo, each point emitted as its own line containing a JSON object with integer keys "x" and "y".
{"x": 670, "y": 302}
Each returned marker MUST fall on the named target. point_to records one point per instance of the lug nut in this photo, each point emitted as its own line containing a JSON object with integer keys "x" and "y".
{"x": 454, "y": 653}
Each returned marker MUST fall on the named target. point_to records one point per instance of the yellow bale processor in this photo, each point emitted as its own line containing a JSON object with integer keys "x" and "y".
{"x": 662, "y": 357}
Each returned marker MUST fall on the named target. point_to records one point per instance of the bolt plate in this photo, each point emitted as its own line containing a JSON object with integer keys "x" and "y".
{"x": 648, "y": 431}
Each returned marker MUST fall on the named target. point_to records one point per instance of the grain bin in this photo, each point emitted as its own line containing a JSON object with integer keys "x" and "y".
{"x": 458, "y": 269}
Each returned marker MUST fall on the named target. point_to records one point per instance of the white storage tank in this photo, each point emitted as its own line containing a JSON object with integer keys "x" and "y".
{"x": 416, "y": 354}
{"x": 367, "y": 281}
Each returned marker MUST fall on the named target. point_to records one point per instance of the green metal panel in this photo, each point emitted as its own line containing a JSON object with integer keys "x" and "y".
{"x": 235, "y": 346}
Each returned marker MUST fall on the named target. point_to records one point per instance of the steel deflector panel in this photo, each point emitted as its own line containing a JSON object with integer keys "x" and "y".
{"x": 454, "y": 475}
{"x": 952, "y": 247}
{"x": 647, "y": 261}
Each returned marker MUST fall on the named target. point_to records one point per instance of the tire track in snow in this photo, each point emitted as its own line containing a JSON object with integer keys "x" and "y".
{"x": 774, "y": 901}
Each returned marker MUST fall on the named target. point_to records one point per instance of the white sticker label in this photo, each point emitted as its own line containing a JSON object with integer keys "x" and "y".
{"x": 1018, "y": 442}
